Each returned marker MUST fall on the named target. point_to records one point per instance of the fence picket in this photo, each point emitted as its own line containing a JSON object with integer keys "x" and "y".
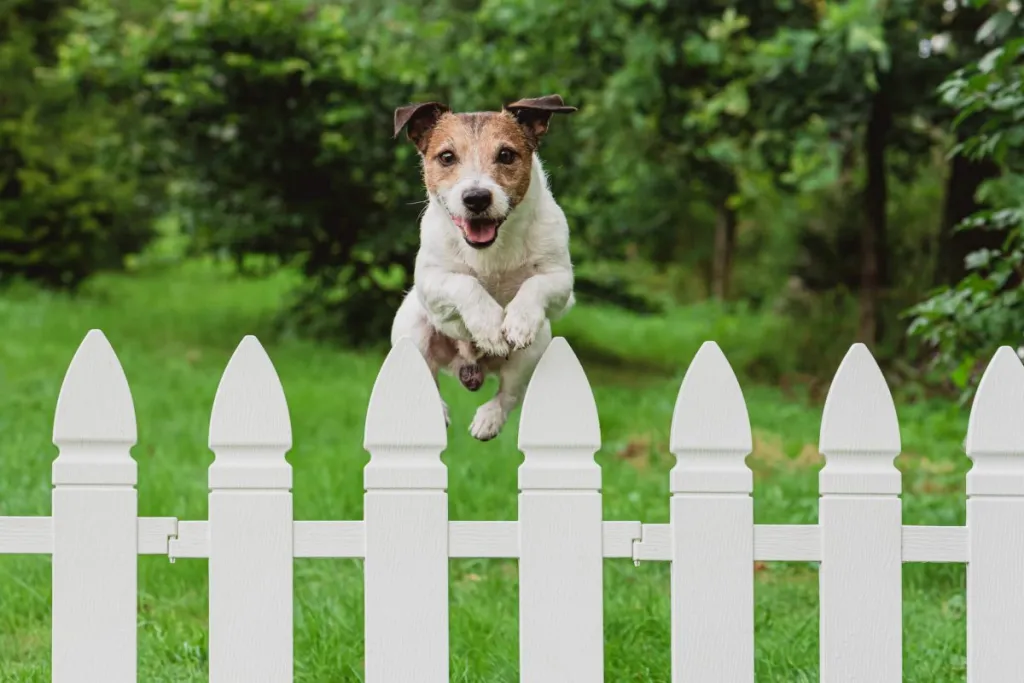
{"x": 406, "y": 520}
{"x": 712, "y": 519}
{"x": 860, "y": 515}
{"x": 561, "y": 581}
{"x": 250, "y": 525}
{"x": 95, "y": 512}
{"x": 995, "y": 522}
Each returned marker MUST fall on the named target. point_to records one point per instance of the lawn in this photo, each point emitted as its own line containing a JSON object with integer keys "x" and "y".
{"x": 175, "y": 330}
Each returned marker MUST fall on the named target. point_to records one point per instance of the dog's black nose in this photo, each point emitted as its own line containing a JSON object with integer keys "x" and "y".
{"x": 477, "y": 199}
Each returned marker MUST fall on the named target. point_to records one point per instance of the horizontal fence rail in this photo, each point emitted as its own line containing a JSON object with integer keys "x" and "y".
{"x": 491, "y": 540}
{"x": 94, "y": 533}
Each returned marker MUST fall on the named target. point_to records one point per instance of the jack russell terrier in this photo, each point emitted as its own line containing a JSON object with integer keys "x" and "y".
{"x": 493, "y": 267}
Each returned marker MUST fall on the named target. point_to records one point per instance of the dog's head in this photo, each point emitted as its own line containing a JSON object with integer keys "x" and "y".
{"x": 478, "y": 165}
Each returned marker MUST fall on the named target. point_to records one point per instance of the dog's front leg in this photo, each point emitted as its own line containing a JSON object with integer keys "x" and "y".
{"x": 447, "y": 295}
{"x": 541, "y": 296}
{"x": 513, "y": 378}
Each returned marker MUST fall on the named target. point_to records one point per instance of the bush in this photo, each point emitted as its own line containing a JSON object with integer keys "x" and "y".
{"x": 69, "y": 194}
{"x": 282, "y": 129}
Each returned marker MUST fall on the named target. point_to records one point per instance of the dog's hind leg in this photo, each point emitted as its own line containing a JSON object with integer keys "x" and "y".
{"x": 514, "y": 376}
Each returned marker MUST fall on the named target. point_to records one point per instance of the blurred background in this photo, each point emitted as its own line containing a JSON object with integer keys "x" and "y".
{"x": 785, "y": 176}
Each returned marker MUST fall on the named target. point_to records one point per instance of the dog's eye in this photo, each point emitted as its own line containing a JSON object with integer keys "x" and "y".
{"x": 506, "y": 156}
{"x": 446, "y": 158}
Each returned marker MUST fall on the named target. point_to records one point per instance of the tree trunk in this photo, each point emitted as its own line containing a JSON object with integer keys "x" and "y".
{"x": 965, "y": 176}
{"x": 874, "y": 243}
{"x": 725, "y": 247}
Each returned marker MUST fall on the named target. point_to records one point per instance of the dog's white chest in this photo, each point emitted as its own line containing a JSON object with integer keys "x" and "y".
{"x": 503, "y": 285}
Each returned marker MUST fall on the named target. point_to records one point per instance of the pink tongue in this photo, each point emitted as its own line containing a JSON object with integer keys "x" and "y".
{"x": 478, "y": 231}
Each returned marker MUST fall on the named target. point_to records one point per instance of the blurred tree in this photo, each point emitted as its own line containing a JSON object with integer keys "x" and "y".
{"x": 853, "y": 89}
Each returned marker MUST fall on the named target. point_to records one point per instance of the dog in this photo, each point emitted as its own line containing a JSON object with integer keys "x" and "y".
{"x": 493, "y": 267}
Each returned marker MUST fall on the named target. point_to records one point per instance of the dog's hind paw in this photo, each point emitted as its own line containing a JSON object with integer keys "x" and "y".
{"x": 488, "y": 421}
{"x": 471, "y": 376}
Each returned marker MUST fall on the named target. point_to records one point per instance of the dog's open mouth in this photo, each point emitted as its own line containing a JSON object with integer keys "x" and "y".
{"x": 478, "y": 232}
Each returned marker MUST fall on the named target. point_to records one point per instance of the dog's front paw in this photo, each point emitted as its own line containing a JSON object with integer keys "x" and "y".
{"x": 521, "y": 326}
{"x": 487, "y": 334}
{"x": 493, "y": 344}
{"x": 488, "y": 421}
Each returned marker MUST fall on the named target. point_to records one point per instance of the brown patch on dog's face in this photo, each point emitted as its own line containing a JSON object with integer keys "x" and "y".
{"x": 486, "y": 145}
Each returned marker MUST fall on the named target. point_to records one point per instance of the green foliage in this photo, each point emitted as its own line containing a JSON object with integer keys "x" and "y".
{"x": 965, "y": 323}
{"x": 278, "y": 124}
{"x": 70, "y": 203}
{"x": 269, "y": 124}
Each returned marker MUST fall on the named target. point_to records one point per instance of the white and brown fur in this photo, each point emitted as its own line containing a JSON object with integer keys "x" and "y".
{"x": 484, "y": 307}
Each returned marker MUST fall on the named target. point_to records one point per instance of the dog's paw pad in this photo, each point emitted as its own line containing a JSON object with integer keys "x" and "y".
{"x": 471, "y": 376}
{"x": 487, "y": 422}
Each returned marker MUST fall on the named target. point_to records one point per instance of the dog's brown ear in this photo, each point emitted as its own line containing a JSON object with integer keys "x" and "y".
{"x": 418, "y": 119}
{"x": 534, "y": 113}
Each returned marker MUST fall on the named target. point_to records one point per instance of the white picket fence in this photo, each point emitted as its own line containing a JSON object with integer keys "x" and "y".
{"x": 560, "y": 538}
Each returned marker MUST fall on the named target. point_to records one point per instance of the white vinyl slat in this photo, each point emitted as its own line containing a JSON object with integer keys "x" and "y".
{"x": 406, "y": 524}
{"x": 251, "y": 523}
{"x": 561, "y": 599}
{"x": 995, "y": 523}
{"x": 861, "y": 580}
{"x": 712, "y": 526}
{"x": 95, "y": 521}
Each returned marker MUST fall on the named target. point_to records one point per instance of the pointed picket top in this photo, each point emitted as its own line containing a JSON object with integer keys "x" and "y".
{"x": 860, "y": 431}
{"x": 95, "y": 401}
{"x": 558, "y": 408}
{"x": 94, "y": 423}
{"x": 250, "y": 427}
{"x": 250, "y": 408}
{"x": 710, "y": 414}
{"x": 995, "y": 430}
{"x": 405, "y": 426}
{"x": 859, "y": 414}
{"x": 559, "y": 429}
{"x": 405, "y": 406}
{"x": 710, "y": 434}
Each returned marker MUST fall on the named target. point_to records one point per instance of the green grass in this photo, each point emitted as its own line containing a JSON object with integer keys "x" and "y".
{"x": 175, "y": 331}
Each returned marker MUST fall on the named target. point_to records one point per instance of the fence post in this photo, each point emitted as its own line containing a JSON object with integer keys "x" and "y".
{"x": 859, "y": 512}
{"x": 995, "y": 523}
{"x": 712, "y": 517}
{"x": 250, "y": 525}
{"x": 561, "y": 579}
{"x": 405, "y": 513}
{"x": 95, "y": 521}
